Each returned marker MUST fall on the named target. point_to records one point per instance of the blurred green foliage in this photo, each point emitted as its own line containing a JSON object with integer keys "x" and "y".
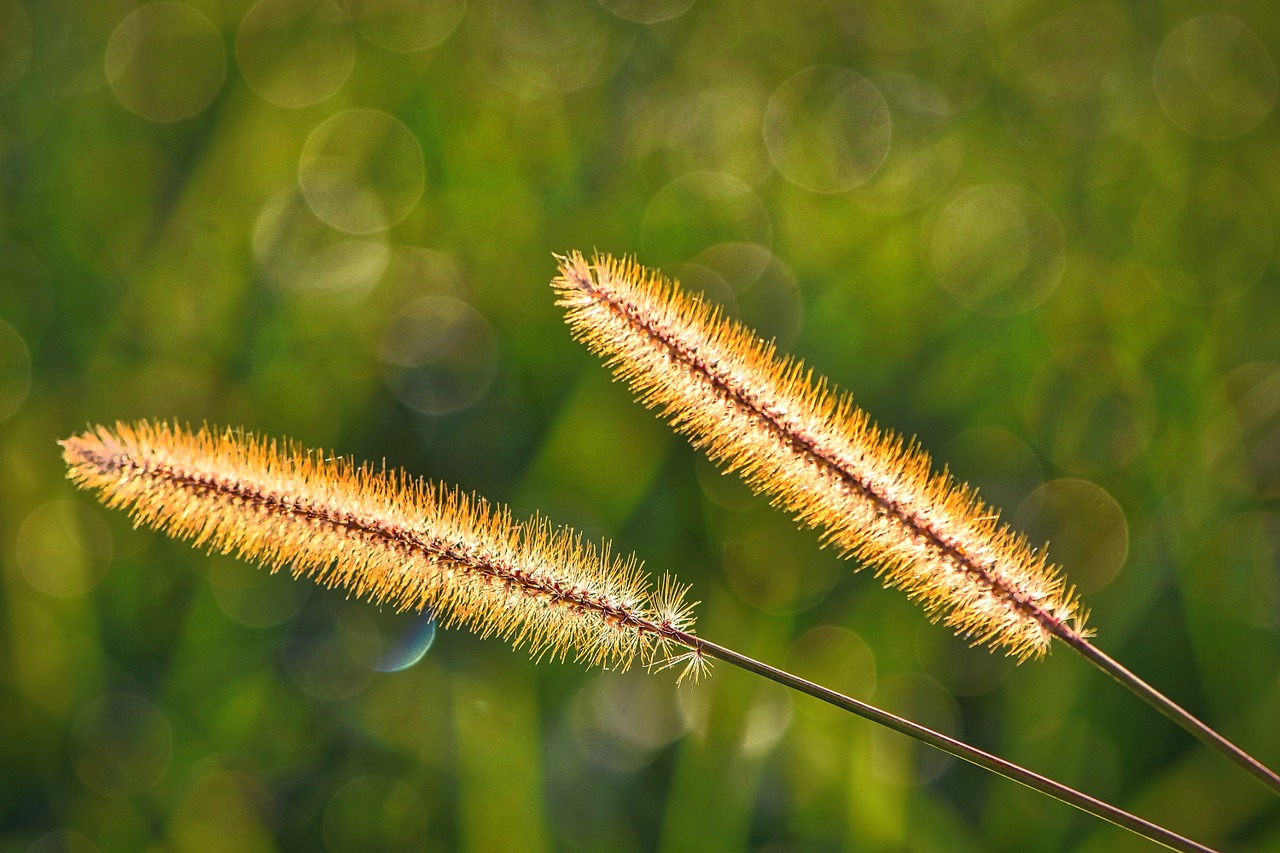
{"x": 1040, "y": 236}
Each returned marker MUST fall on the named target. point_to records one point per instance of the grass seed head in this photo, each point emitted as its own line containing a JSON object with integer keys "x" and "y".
{"x": 386, "y": 537}
{"x": 791, "y": 435}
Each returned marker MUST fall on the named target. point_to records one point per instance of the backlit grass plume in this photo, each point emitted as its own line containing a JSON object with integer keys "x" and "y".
{"x": 875, "y": 496}
{"x": 414, "y": 546}
{"x": 820, "y": 457}
{"x": 389, "y": 538}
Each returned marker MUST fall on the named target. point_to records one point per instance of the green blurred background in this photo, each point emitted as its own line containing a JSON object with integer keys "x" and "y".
{"x": 1040, "y": 236}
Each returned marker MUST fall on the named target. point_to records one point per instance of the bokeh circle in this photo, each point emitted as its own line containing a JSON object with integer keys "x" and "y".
{"x": 165, "y": 61}
{"x": 1214, "y": 77}
{"x": 702, "y": 209}
{"x": 827, "y": 129}
{"x": 404, "y": 26}
{"x": 121, "y": 744}
{"x": 647, "y": 11}
{"x": 1086, "y": 529}
{"x": 295, "y": 53}
{"x": 301, "y": 256}
{"x": 998, "y": 249}
{"x": 64, "y": 548}
{"x": 373, "y": 812}
{"x": 361, "y": 171}
{"x": 439, "y": 355}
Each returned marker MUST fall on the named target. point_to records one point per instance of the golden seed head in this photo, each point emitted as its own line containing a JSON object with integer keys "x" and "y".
{"x": 794, "y": 437}
{"x": 386, "y": 537}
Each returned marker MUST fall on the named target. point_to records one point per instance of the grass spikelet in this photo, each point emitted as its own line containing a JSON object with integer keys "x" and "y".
{"x": 794, "y": 437}
{"x": 389, "y": 538}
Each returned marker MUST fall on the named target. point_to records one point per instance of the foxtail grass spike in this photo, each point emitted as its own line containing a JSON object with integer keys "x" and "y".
{"x": 792, "y": 436}
{"x": 872, "y": 494}
{"x": 411, "y": 545}
{"x": 386, "y": 537}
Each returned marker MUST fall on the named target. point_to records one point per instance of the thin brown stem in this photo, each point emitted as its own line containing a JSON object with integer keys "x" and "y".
{"x": 1171, "y": 709}
{"x": 951, "y": 746}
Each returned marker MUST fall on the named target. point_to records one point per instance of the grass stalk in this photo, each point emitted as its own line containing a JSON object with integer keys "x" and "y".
{"x": 394, "y": 540}
{"x": 1172, "y": 710}
{"x": 874, "y": 496}
{"x": 959, "y": 749}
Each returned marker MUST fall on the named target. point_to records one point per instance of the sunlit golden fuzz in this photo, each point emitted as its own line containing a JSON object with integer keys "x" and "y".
{"x": 388, "y": 538}
{"x": 796, "y": 438}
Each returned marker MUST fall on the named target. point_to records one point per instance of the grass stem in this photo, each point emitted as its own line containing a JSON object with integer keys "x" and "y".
{"x": 959, "y": 749}
{"x": 1171, "y": 709}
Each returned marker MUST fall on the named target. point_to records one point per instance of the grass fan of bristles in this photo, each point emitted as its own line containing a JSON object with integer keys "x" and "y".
{"x": 389, "y": 538}
{"x": 874, "y": 496}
